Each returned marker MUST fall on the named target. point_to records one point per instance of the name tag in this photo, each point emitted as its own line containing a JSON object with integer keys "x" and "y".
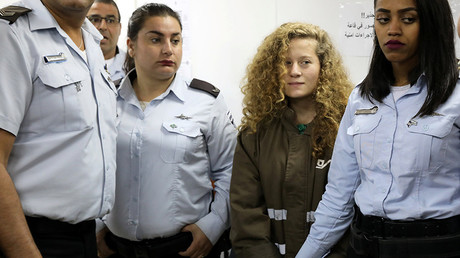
{"x": 367, "y": 111}
{"x": 54, "y": 58}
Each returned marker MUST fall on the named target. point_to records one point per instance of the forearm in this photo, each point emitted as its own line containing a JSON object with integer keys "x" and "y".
{"x": 15, "y": 237}
{"x": 257, "y": 249}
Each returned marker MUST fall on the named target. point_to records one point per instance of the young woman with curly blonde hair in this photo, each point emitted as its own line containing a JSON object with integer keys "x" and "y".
{"x": 296, "y": 91}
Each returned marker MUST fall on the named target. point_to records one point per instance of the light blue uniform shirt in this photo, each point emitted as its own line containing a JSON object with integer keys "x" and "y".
{"x": 167, "y": 156}
{"x": 63, "y": 114}
{"x": 115, "y": 66}
{"x": 391, "y": 164}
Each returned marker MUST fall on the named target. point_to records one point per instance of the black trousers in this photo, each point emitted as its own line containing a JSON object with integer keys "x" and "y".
{"x": 162, "y": 248}
{"x": 373, "y": 237}
{"x": 56, "y": 239}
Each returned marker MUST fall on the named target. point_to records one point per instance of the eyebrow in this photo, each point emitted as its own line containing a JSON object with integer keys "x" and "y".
{"x": 305, "y": 57}
{"x": 98, "y": 15}
{"x": 299, "y": 58}
{"x": 162, "y": 34}
{"x": 408, "y": 9}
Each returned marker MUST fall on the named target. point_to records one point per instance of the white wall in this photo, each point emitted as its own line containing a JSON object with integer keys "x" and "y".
{"x": 225, "y": 36}
{"x": 226, "y": 33}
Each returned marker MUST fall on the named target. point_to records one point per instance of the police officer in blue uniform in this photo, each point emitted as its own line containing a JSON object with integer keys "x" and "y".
{"x": 57, "y": 130}
{"x": 176, "y": 138}
{"x": 105, "y": 16}
{"x": 395, "y": 172}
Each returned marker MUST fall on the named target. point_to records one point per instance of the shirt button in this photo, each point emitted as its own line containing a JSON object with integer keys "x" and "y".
{"x": 426, "y": 127}
{"x": 67, "y": 77}
{"x": 182, "y": 130}
{"x": 357, "y": 128}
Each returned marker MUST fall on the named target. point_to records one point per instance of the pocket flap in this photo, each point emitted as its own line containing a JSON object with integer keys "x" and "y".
{"x": 186, "y": 128}
{"x": 437, "y": 126}
{"x": 58, "y": 74}
{"x": 364, "y": 124}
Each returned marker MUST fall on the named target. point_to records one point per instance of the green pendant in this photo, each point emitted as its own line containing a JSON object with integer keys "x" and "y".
{"x": 301, "y": 128}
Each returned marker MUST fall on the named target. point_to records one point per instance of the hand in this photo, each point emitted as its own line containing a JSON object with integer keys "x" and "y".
{"x": 103, "y": 250}
{"x": 200, "y": 246}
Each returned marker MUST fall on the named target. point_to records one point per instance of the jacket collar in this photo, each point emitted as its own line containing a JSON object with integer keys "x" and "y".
{"x": 289, "y": 122}
{"x": 127, "y": 93}
{"x": 41, "y": 19}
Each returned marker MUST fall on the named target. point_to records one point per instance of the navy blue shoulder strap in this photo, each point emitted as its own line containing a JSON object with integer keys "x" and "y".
{"x": 12, "y": 13}
{"x": 205, "y": 86}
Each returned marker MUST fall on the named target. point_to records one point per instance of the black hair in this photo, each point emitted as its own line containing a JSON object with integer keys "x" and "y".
{"x": 137, "y": 20}
{"x": 112, "y": 3}
{"x": 436, "y": 50}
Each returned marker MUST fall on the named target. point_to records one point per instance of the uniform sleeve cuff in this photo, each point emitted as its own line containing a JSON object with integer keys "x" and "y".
{"x": 212, "y": 226}
{"x": 311, "y": 250}
{"x": 8, "y": 126}
{"x": 100, "y": 225}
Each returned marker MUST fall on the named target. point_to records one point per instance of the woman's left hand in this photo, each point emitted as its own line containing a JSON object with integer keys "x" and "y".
{"x": 200, "y": 246}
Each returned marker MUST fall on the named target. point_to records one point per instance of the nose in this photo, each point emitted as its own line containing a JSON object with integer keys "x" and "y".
{"x": 102, "y": 25}
{"x": 294, "y": 70}
{"x": 394, "y": 27}
{"x": 167, "y": 48}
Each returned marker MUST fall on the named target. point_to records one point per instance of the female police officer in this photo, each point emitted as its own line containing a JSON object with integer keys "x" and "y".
{"x": 175, "y": 138}
{"x": 397, "y": 150}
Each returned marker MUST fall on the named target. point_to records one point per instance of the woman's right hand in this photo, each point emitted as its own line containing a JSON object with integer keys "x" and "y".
{"x": 103, "y": 251}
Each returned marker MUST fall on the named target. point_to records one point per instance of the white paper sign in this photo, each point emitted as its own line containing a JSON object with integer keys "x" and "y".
{"x": 357, "y": 28}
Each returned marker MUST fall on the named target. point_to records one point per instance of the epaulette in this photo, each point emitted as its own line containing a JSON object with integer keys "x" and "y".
{"x": 11, "y": 13}
{"x": 205, "y": 86}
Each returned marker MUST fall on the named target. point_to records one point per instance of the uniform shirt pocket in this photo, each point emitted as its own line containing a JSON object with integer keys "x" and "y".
{"x": 63, "y": 102}
{"x": 363, "y": 131}
{"x": 179, "y": 137}
{"x": 431, "y": 132}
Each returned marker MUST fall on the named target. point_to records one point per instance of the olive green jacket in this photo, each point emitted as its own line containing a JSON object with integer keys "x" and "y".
{"x": 276, "y": 186}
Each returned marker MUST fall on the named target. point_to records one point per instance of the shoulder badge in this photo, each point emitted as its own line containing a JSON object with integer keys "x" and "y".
{"x": 205, "y": 86}
{"x": 11, "y": 13}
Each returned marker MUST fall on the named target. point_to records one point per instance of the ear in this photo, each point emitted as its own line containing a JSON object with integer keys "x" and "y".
{"x": 130, "y": 45}
{"x": 119, "y": 28}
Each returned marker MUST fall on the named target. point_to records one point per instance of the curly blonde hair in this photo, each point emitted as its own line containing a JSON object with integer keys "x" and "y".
{"x": 263, "y": 87}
